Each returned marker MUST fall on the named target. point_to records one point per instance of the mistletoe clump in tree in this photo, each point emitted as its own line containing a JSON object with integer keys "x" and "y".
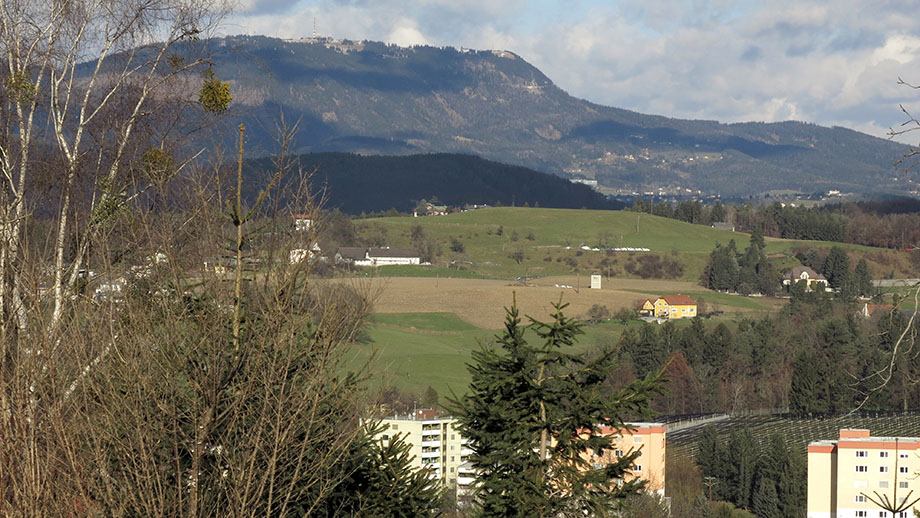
{"x": 533, "y": 418}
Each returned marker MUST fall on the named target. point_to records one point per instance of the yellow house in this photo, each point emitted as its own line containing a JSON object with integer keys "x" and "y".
{"x": 669, "y": 306}
{"x": 843, "y": 474}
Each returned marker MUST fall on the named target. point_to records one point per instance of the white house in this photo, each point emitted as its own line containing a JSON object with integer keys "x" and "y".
{"x": 803, "y": 273}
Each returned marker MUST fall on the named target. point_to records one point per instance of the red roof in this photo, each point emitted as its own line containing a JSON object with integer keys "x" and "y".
{"x": 678, "y": 300}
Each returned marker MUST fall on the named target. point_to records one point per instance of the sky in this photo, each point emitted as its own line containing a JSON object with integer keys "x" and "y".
{"x": 834, "y": 63}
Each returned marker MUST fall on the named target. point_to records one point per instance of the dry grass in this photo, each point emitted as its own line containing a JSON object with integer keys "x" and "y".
{"x": 481, "y": 301}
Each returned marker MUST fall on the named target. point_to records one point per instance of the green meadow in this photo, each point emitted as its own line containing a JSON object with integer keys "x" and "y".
{"x": 548, "y": 242}
{"x": 413, "y": 351}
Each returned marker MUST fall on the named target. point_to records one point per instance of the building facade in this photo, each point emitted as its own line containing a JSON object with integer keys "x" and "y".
{"x": 669, "y": 306}
{"x": 651, "y": 441}
{"x": 436, "y": 445}
{"x": 845, "y": 474}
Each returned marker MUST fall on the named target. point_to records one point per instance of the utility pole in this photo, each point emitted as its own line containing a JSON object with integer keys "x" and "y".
{"x": 710, "y": 481}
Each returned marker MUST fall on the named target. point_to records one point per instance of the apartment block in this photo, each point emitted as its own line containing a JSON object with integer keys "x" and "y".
{"x": 650, "y": 439}
{"x": 437, "y": 446}
{"x": 845, "y": 474}
{"x": 434, "y": 442}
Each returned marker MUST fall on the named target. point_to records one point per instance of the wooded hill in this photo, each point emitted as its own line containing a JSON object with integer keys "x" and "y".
{"x": 358, "y": 184}
{"x": 374, "y": 98}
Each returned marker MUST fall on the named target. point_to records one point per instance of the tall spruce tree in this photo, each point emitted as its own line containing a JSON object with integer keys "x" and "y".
{"x": 533, "y": 419}
{"x": 862, "y": 279}
{"x": 837, "y": 267}
{"x": 766, "y": 501}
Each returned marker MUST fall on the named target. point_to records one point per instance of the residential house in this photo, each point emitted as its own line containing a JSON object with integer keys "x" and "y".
{"x": 871, "y": 309}
{"x": 813, "y": 280}
{"x": 650, "y": 440}
{"x": 302, "y": 222}
{"x": 846, "y": 474}
{"x": 350, "y": 255}
{"x": 669, "y": 306}
{"x": 435, "y": 210}
{"x": 303, "y": 252}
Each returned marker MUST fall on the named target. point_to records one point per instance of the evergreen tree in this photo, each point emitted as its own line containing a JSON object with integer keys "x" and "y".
{"x": 766, "y": 501}
{"x": 533, "y": 417}
{"x": 718, "y": 213}
{"x": 742, "y": 461}
{"x": 723, "y": 268}
{"x": 383, "y": 483}
{"x": 837, "y": 267}
{"x": 711, "y": 458}
{"x": 862, "y": 279}
{"x": 803, "y": 389}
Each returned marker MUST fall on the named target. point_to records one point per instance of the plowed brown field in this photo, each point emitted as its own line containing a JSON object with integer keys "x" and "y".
{"x": 481, "y": 301}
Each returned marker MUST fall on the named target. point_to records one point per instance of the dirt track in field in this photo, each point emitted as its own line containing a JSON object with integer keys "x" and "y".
{"x": 481, "y": 302}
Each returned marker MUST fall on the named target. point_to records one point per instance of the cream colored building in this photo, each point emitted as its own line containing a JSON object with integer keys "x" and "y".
{"x": 843, "y": 474}
{"x": 435, "y": 443}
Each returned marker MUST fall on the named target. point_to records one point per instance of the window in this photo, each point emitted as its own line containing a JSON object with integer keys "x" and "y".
{"x": 861, "y": 513}
{"x": 883, "y": 454}
{"x": 637, "y": 438}
{"x": 638, "y": 467}
{"x": 862, "y": 453}
{"x": 883, "y": 484}
{"x": 618, "y": 453}
{"x": 451, "y": 459}
{"x": 395, "y": 427}
{"x": 883, "y": 514}
{"x": 903, "y": 484}
{"x": 860, "y": 499}
{"x": 883, "y": 469}
{"x": 862, "y": 469}
{"x": 451, "y": 470}
{"x": 903, "y": 469}
{"x": 860, "y": 484}
{"x": 384, "y": 437}
{"x": 902, "y": 455}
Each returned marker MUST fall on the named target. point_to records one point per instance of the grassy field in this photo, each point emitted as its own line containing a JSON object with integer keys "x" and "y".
{"x": 550, "y": 241}
{"x": 413, "y": 351}
{"x": 417, "y": 350}
{"x": 798, "y": 432}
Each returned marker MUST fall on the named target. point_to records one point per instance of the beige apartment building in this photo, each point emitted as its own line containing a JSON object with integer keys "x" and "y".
{"x": 434, "y": 442}
{"x": 843, "y": 474}
{"x": 437, "y": 446}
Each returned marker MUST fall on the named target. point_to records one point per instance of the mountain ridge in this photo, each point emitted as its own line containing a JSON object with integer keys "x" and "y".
{"x": 375, "y": 98}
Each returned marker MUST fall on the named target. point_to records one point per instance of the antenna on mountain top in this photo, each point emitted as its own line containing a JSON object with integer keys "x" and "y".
{"x": 314, "y": 27}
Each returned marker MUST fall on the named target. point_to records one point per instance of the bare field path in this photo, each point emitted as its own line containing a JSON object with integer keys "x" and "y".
{"x": 481, "y": 301}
